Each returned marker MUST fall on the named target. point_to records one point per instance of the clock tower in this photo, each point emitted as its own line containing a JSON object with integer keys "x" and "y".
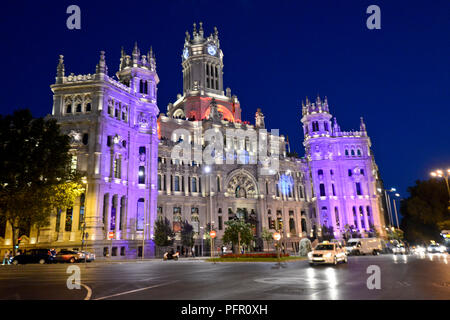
{"x": 202, "y": 61}
{"x": 202, "y": 67}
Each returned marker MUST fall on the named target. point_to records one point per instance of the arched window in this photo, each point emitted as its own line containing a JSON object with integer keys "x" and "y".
{"x": 346, "y": 152}
{"x": 320, "y": 172}
{"x": 69, "y": 108}
{"x": 353, "y": 153}
{"x": 79, "y": 109}
{"x": 218, "y": 184}
{"x": 359, "y": 152}
{"x": 140, "y": 214}
{"x": 325, "y": 216}
{"x": 355, "y": 218}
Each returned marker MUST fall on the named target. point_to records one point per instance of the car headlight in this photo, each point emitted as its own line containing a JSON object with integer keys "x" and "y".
{"x": 310, "y": 254}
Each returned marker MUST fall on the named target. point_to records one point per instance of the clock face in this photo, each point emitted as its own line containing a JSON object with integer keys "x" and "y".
{"x": 212, "y": 49}
{"x": 186, "y": 53}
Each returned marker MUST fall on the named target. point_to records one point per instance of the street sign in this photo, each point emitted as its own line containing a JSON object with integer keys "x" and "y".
{"x": 212, "y": 234}
{"x": 276, "y": 236}
{"x": 111, "y": 235}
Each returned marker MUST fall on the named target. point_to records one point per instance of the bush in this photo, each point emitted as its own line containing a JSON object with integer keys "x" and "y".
{"x": 253, "y": 255}
{"x": 305, "y": 247}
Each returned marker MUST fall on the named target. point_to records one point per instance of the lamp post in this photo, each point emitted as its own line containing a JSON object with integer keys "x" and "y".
{"x": 207, "y": 170}
{"x": 83, "y": 234}
{"x": 201, "y": 228}
{"x": 443, "y": 174}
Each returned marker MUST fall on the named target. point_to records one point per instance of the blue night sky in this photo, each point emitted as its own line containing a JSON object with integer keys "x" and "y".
{"x": 275, "y": 54}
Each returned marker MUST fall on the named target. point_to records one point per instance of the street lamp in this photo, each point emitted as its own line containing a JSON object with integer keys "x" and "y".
{"x": 396, "y": 194}
{"x": 207, "y": 170}
{"x": 443, "y": 174}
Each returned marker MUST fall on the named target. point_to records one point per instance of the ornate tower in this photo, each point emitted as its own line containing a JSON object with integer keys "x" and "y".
{"x": 343, "y": 173}
{"x": 202, "y": 63}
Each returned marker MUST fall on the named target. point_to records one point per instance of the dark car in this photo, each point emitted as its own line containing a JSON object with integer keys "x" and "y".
{"x": 35, "y": 256}
{"x": 69, "y": 256}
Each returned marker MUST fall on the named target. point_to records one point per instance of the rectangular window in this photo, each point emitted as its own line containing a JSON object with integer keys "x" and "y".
{"x": 117, "y": 164}
{"x": 220, "y": 223}
{"x": 159, "y": 182}
{"x": 322, "y": 190}
{"x": 69, "y": 214}
{"x": 141, "y": 175}
{"x": 349, "y": 172}
{"x": 358, "y": 189}
{"x": 334, "y": 191}
{"x": 177, "y": 183}
{"x": 140, "y": 215}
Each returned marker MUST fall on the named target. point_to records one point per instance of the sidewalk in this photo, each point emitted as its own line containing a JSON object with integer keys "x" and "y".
{"x": 108, "y": 260}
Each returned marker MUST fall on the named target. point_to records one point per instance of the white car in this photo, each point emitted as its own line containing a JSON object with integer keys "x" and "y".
{"x": 436, "y": 248}
{"x": 364, "y": 246}
{"x": 326, "y": 252}
{"x": 399, "y": 249}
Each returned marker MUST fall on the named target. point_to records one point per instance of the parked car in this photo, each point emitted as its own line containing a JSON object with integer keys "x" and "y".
{"x": 364, "y": 246}
{"x": 327, "y": 252}
{"x": 89, "y": 256}
{"x": 40, "y": 256}
{"x": 69, "y": 256}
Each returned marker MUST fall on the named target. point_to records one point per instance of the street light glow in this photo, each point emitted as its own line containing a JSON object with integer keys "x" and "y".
{"x": 207, "y": 169}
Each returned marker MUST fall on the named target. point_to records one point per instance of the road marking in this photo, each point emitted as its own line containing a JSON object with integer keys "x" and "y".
{"x": 136, "y": 290}
{"x": 89, "y": 292}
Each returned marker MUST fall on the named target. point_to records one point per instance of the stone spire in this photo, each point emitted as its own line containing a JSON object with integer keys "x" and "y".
{"x": 60, "y": 70}
{"x": 362, "y": 125}
{"x": 101, "y": 66}
{"x": 151, "y": 59}
{"x": 136, "y": 54}
{"x": 200, "y": 31}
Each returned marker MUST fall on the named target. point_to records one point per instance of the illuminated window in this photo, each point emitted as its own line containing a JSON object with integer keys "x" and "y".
{"x": 141, "y": 175}
{"x": 73, "y": 163}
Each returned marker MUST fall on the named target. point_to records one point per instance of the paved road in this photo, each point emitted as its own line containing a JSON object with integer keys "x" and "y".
{"x": 402, "y": 277}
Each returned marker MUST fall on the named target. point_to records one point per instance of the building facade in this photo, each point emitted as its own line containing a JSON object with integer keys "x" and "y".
{"x": 142, "y": 164}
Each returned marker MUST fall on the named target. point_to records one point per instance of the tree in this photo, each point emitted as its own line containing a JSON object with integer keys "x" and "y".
{"x": 425, "y": 212}
{"x": 267, "y": 236}
{"x": 327, "y": 233}
{"x": 235, "y": 230}
{"x": 187, "y": 234}
{"x": 35, "y": 173}
{"x": 164, "y": 235}
{"x": 395, "y": 234}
